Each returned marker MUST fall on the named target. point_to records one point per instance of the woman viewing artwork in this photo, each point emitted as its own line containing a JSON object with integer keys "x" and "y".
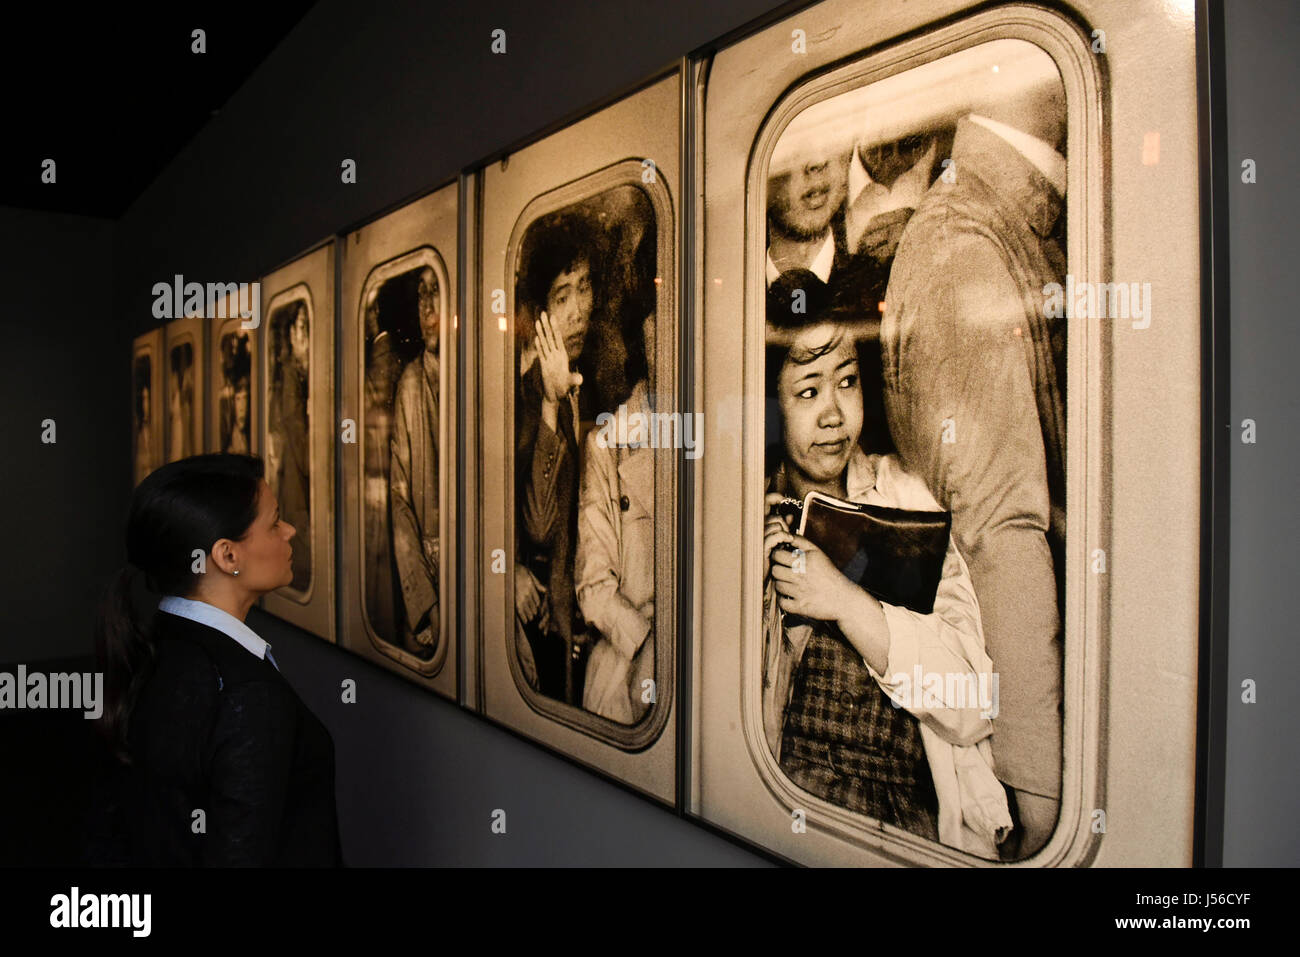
{"x": 839, "y": 712}
{"x": 199, "y": 723}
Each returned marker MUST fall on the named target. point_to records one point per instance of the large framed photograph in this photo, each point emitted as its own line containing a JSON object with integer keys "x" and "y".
{"x": 232, "y": 373}
{"x": 298, "y": 429}
{"x": 400, "y": 330}
{"x": 575, "y": 480}
{"x": 146, "y": 404}
{"x": 931, "y": 246}
{"x": 183, "y": 358}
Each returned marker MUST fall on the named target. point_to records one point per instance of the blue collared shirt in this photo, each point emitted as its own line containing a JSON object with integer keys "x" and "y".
{"x": 222, "y": 621}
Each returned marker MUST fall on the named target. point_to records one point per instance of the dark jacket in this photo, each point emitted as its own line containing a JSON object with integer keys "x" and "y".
{"x": 546, "y": 482}
{"x": 220, "y": 730}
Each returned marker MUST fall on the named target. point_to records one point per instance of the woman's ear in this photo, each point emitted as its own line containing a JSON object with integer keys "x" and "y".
{"x": 224, "y": 557}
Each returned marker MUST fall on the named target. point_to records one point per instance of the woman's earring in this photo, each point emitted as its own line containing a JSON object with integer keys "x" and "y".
{"x": 236, "y": 571}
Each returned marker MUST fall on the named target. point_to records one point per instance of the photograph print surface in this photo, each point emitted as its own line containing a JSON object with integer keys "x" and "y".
{"x": 915, "y": 667}
{"x": 182, "y": 371}
{"x": 400, "y": 337}
{"x": 146, "y": 404}
{"x": 288, "y": 455}
{"x": 585, "y": 509}
{"x": 294, "y": 349}
{"x": 234, "y": 391}
{"x": 576, "y": 478}
{"x": 860, "y": 229}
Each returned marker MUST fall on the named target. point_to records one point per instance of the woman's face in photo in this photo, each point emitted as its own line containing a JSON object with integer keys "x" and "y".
{"x": 266, "y": 557}
{"x": 820, "y": 395}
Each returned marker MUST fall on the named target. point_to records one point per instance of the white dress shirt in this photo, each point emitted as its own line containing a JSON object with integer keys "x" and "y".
{"x": 821, "y": 264}
{"x": 222, "y": 621}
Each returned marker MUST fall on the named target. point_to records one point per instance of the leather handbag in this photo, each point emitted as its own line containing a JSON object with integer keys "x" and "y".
{"x": 895, "y": 554}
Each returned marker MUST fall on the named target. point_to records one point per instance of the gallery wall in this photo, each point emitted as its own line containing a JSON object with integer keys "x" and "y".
{"x": 58, "y": 330}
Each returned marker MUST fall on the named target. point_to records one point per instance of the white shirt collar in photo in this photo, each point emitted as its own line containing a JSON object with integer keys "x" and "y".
{"x": 1039, "y": 152}
{"x": 214, "y": 617}
{"x": 907, "y": 190}
{"x": 821, "y": 265}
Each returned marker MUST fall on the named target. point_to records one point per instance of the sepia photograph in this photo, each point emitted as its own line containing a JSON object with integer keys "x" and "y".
{"x": 585, "y": 328}
{"x": 288, "y": 457}
{"x": 912, "y": 223}
{"x": 584, "y": 573}
{"x": 146, "y": 404}
{"x": 232, "y": 407}
{"x": 183, "y": 375}
{"x": 234, "y": 433}
{"x": 297, "y": 430}
{"x": 855, "y": 224}
{"x": 399, "y": 349}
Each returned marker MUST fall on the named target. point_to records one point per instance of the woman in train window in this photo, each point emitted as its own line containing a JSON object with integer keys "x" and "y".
{"x": 839, "y": 711}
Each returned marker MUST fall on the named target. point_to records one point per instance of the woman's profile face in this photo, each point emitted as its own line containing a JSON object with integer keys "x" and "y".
{"x": 266, "y": 557}
{"x": 820, "y": 394}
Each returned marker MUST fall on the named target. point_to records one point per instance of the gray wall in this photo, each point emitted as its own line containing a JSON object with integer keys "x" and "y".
{"x": 413, "y": 94}
{"x": 1263, "y": 773}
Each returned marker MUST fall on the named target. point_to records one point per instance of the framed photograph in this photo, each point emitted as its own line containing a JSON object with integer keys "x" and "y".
{"x": 232, "y": 406}
{"x": 298, "y": 429}
{"x": 575, "y": 476}
{"x": 932, "y": 241}
{"x": 400, "y": 332}
{"x": 146, "y": 404}
{"x": 183, "y": 359}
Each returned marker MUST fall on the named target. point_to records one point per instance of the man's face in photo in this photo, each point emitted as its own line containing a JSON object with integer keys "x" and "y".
{"x": 801, "y": 203}
{"x": 569, "y": 303}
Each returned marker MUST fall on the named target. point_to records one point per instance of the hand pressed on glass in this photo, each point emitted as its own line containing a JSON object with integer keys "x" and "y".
{"x": 556, "y": 378}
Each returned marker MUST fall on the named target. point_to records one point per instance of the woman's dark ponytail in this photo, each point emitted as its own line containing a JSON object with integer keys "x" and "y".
{"x": 124, "y": 651}
{"x": 183, "y": 506}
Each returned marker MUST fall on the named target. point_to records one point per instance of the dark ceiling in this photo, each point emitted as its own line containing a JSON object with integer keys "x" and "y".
{"x": 112, "y": 93}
